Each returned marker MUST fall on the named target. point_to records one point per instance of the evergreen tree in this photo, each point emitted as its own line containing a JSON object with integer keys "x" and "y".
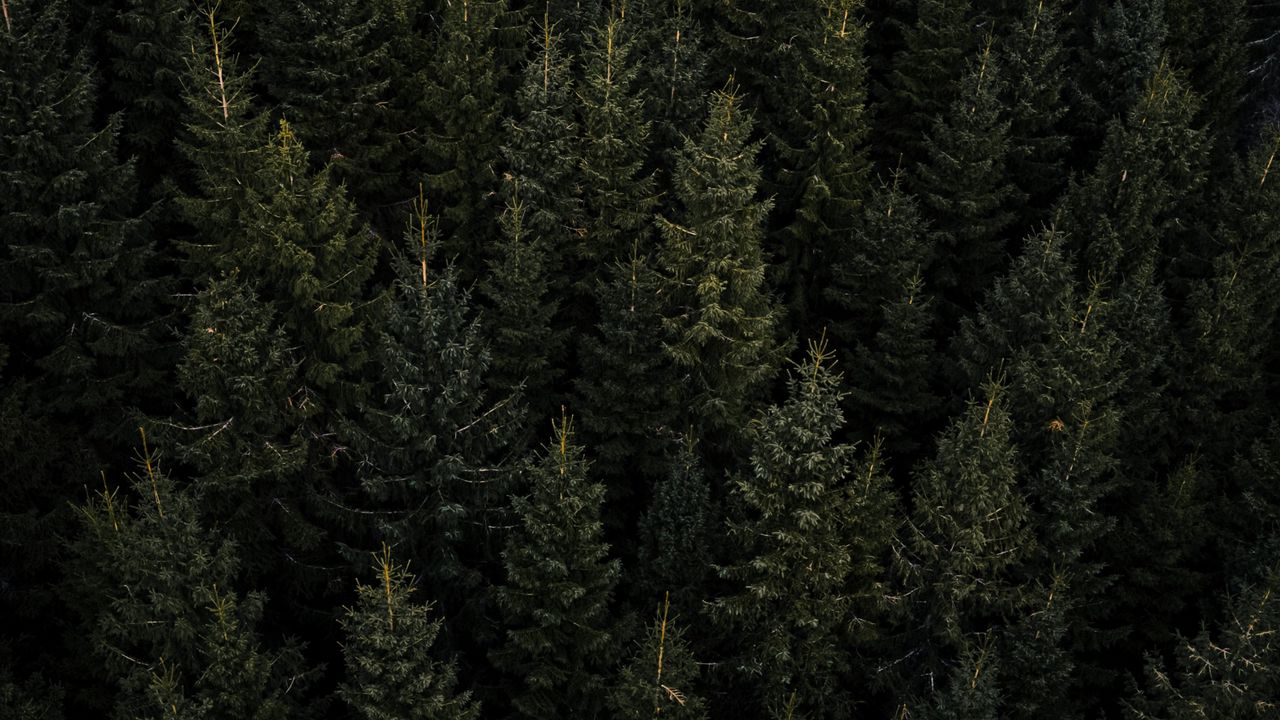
{"x": 619, "y": 195}
{"x": 390, "y": 672}
{"x": 889, "y": 245}
{"x": 1125, "y": 49}
{"x": 828, "y": 173}
{"x": 326, "y": 64}
{"x": 30, "y": 700}
{"x": 660, "y": 680}
{"x": 152, "y": 42}
{"x": 924, "y": 80}
{"x": 721, "y": 323}
{"x": 674, "y": 84}
{"x": 81, "y": 309}
{"x": 1229, "y": 674}
{"x": 967, "y": 535}
{"x": 541, "y": 149}
{"x": 971, "y": 690}
{"x": 463, "y": 135}
{"x": 1036, "y": 65}
{"x": 892, "y": 394}
{"x": 816, "y": 527}
{"x": 675, "y": 551}
{"x": 627, "y": 392}
{"x": 964, "y": 187}
{"x": 555, "y": 601}
{"x": 433, "y": 441}
{"x": 527, "y": 347}
{"x": 164, "y": 616}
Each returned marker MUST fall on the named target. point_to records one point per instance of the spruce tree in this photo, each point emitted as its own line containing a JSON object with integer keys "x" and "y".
{"x": 674, "y": 84}
{"x": 391, "y": 674}
{"x": 828, "y": 173}
{"x": 676, "y": 531}
{"x": 527, "y": 346}
{"x": 626, "y": 390}
{"x": 661, "y": 678}
{"x": 964, "y": 187}
{"x": 721, "y": 323}
{"x": 82, "y": 307}
{"x": 966, "y": 537}
{"x": 560, "y": 642}
{"x": 815, "y": 529}
{"x": 326, "y": 65}
{"x": 433, "y": 441}
{"x": 1036, "y": 65}
{"x": 1229, "y": 673}
{"x": 619, "y": 195}
{"x": 164, "y": 616}
{"x": 1125, "y": 48}
{"x": 463, "y": 134}
{"x": 924, "y": 80}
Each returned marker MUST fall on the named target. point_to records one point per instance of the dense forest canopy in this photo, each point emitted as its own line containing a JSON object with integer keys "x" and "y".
{"x": 464, "y": 359}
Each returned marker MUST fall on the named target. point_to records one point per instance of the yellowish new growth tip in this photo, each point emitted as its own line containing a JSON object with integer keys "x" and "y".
{"x": 562, "y": 435}
{"x": 109, "y": 500}
{"x": 791, "y": 705}
{"x": 151, "y": 473}
{"x": 662, "y": 643}
{"x": 384, "y": 565}
{"x": 1263, "y": 180}
{"x": 217, "y": 61}
{"x": 421, "y": 211}
{"x": 818, "y": 352}
{"x": 986, "y": 415}
{"x": 4, "y": 4}
{"x": 546, "y": 49}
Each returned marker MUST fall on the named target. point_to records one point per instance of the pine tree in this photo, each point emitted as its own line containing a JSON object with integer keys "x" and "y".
{"x": 462, "y": 139}
{"x": 82, "y": 306}
{"x": 1231, "y": 673}
{"x": 661, "y": 678}
{"x": 164, "y": 617}
{"x": 555, "y": 601}
{"x": 967, "y": 535}
{"x": 152, "y": 43}
{"x": 326, "y": 64}
{"x": 527, "y": 346}
{"x": 433, "y": 440}
{"x": 1036, "y": 65}
{"x": 1125, "y": 49}
{"x": 390, "y": 672}
{"x": 815, "y": 531}
{"x": 925, "y": 79}
{"x": 721, "y": 323}
{"x": 892, "y": 392}
{"x": 964, "y": 187}
{"x": 619, "y": 195}
{"x": 828, "y": 173}
{"x": 626, "y": 392}
{"x": 541, "y": 147}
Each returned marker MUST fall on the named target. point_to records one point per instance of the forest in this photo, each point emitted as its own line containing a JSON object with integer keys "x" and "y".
{"x": 688, "y": 359}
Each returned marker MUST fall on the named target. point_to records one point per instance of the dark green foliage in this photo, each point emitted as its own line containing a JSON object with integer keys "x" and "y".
{"x": 1231, "y": 672}
{"x": 971, "y": 690}
{"x": 391, "y": 674}
{"x": 167, "y": 623}
{"x": 675, "y": 83}
{"x": 815, "y": 530}
{"x": 432, "y": 442}
{"x": 1035, "y": 65}
{"x": 541, "y": 149}
{"x": 618, "y": 194}
{"x": 1125, "y": 48}
{"x": 326, "y": 64}
{"x": 462, "y": 133}
{"x": 721, "y": 323}
{"x": 153, "y": 40}
{"x": 30, "y": 700}
{"x": 964, "y": 187}
{"x": 1208, "y": 40}
{"x": 967, "y": 535}
{"x": 560, "y": 640}
{"x": 661, "y": 679}
{"x": 526, "y": 344}
{"x": 627, "y": 390}
{"x": 827, "y": 174}
{"x": 924, "y": 79}
{"x": 892, "y": 394}
{"x": 676, "y": 532}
